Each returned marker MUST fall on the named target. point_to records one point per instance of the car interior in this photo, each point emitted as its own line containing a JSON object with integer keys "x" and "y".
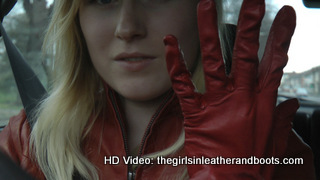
{"x": 306, "y": 121}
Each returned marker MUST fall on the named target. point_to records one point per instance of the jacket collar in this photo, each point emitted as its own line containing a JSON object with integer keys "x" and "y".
{"x": 108, "y": 136}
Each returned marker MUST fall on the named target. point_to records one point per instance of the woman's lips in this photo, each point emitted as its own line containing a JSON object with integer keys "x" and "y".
{"x": 134, "y": 61}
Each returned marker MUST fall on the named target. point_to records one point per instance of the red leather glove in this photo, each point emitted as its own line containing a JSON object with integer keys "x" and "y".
{"x": 237, "y": 115}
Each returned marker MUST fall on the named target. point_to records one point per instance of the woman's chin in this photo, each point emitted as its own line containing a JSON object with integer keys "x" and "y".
{"x": 143, "y": 95}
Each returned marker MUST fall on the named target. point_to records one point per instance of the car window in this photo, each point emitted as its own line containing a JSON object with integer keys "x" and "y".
{"x": 302, "y": 74}
{"x": 25, "y": 25}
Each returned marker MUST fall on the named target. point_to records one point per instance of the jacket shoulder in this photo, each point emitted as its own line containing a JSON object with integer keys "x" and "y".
{"x": 14, "y": 142}
{"x": 14, "y": 138}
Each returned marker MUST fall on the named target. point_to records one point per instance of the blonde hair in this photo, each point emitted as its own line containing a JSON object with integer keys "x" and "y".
{"x": 62, "y": 118}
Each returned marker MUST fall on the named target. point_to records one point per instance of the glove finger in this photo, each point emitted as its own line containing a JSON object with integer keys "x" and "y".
{"x": 213, "y": 65}
{"x": 178, "y": 72}
{"x": 277, "y": 146}
{"x": 245, "y": 54}
{"x": 275, "y": 56}
{"x": 284, "y": 111}
{"x": 284, "y": 115}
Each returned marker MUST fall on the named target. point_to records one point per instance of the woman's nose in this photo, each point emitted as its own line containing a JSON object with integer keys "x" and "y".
{"x": 131, "y": 24}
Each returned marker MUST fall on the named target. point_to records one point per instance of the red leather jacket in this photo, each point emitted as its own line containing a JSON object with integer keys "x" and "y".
{"x": 108, "y": 138}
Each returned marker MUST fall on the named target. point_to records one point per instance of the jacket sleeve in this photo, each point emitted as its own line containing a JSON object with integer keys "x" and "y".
{"x": 14, "y": 142}
{"x": 296, "y": 149}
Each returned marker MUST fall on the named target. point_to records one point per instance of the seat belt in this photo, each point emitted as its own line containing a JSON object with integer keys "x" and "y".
{"x": 29, "y": 86}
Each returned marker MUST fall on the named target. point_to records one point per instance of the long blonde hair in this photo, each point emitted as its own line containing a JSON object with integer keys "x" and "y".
{"x": 63, "y": 116}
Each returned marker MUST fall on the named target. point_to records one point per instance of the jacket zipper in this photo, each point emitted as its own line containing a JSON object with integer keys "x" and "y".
{"x": 131, "y": 174}
{"x": 124, "y": 133}
{"x": 154, "y": 117}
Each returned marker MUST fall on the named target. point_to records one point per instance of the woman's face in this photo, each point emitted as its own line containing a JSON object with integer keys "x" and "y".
{"x": 125, "y": 42}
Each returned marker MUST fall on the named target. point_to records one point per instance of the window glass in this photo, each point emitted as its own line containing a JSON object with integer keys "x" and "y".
{"x": 25, "y": 25}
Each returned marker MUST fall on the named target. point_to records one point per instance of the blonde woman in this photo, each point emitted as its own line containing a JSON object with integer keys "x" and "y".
{"x": 112, "y": 97}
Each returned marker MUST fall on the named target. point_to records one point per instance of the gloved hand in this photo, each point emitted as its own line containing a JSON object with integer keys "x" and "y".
{"x": 237, "y": 115}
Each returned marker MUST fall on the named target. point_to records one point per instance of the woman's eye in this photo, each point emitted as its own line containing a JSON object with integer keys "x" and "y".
{"x": 104, "y": 1}
{"x": 154, "y": 1}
